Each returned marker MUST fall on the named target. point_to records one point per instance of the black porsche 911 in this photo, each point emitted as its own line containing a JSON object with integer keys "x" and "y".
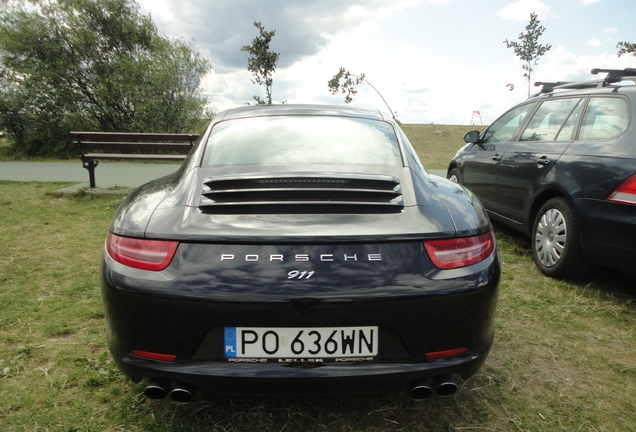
{"x": 300, "y": 250}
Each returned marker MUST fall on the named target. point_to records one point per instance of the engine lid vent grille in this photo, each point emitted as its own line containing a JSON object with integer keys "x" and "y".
{"x": 302, "y": 194}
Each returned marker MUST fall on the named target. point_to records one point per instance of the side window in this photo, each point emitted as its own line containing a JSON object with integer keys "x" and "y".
{"x": 505, "y": 128}
{"x": 605, "y": 118}
{"x": 568, "y": 132}
{"x": 549, "y": 119}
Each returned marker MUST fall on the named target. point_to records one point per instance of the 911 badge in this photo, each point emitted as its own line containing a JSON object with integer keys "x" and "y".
{"x": 297, "y": 274}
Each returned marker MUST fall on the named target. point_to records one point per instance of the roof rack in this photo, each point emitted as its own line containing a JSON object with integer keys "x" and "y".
{"x": 549, "y": 87}
{"x": 613, "y": 76}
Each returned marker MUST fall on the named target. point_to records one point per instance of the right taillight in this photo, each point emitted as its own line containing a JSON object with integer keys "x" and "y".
{"x": 626, "y": 192}
{"x": 460, "y": 252}
{"x": 144, "y": 254}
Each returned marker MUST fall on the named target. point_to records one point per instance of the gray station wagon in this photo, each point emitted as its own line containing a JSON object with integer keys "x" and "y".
{"x": 561, "y": 168}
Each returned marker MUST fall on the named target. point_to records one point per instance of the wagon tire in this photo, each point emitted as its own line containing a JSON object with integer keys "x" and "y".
{"x": 454, "y": 176}
{"x": 556, "y": 246}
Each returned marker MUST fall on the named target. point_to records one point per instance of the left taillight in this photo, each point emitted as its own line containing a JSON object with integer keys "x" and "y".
{"x": 460, "y": 252}
{"x": 144, "y": 254}
{"x": 626, "y": 192}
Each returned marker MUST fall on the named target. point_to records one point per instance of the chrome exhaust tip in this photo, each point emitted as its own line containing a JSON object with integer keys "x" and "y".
{"x": 156, "y": 389}
{"x": 420, "y": 389}
{"x": 444, "y": 385}
{"x": 182, "y": 392}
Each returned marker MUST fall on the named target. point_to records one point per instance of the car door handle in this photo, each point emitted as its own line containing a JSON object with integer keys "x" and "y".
{"x": 496, "y": 158}
{"x": 543, "y": 161}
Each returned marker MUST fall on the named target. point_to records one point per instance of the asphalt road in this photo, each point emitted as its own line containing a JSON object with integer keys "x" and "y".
{"x": 108, "y": 175}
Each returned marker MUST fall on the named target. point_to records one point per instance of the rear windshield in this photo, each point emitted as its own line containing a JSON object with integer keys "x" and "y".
{"x": 302, "y": 141}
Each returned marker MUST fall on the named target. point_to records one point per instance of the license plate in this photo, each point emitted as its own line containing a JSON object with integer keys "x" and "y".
{"x": 300, "y": 343}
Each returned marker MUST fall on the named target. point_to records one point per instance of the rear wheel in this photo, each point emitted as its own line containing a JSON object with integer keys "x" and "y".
{"x": 556, "y": 246}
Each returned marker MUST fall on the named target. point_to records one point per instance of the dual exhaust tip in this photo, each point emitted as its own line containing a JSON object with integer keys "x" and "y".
{"x": 443, "y": 385}
{"x": 159, "y": 389}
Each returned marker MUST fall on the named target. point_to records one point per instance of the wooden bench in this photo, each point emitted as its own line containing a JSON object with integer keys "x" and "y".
{"x": 130, "y": 146}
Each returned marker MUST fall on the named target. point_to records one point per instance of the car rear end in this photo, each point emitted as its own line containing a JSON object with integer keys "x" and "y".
{"x": 382, "y": 311}
{"x": 606, "y": 205}
{"x": 301, "y": 279}
{"x": 599, "y": 171}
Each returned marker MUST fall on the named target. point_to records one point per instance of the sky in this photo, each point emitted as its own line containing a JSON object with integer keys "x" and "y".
{"x": 433, "y": 61}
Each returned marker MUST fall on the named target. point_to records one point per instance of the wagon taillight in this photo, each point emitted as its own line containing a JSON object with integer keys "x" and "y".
{"x": 626, "y": 192}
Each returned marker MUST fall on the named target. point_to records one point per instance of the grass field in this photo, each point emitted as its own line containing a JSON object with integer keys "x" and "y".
{"x": 564, "y": 357}
{"x": 437, "y": 144}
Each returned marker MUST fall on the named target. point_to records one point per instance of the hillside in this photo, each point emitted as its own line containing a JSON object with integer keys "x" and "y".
{"x": 436, "y": 144}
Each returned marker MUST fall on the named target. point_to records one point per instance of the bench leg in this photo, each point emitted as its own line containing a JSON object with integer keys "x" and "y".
{"x": 90, "y": 166}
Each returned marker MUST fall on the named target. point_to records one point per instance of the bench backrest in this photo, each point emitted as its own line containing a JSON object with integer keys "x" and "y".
{"x": 122, "y": 141}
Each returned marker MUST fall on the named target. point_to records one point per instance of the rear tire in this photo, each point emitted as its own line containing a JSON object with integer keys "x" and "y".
{"x": 556, "y": 246}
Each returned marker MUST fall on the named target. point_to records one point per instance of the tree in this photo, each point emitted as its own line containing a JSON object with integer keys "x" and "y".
{"x": 345, "y": 82}
{"x": 626, "y": 48}
{"x": 262, "y": 62}
{"x": 348, "y": 84}
{"x": 528, "y": 48}
{"x": 96, "y": 65}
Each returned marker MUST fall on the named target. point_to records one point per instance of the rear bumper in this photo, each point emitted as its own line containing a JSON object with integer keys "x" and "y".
{"x": 272, "y": 380}
{"x": 608, "y": 231}
{"x": 447, "y": 313}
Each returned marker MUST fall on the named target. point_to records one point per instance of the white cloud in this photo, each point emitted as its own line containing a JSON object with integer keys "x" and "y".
{"x": 424, "y": 56}
{"x": 302, "y": 28}
{"x": 589, "y": 2}
{"x": 563, "y": 65}
{"x": 521, "y": 10}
